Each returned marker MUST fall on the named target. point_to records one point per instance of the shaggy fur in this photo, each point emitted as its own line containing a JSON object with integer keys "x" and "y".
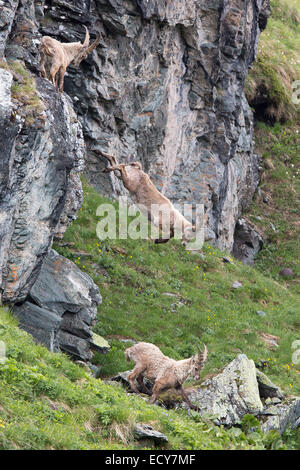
{"x": 59, "y": 55}
{"x": 156, "y": 207}
{"x": 165, "y": 372}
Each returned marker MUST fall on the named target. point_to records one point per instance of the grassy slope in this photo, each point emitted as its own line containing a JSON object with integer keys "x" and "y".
{"x": 280, "y": 149}
{"x": 60, "y": 407}
{"x": 48, "y": 402}
{"x": 135, "y": 275}
{"x": 277, "y": 67}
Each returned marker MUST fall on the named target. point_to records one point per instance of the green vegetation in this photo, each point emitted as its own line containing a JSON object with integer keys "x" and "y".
{"x": 171, "y": 297}
{"x": 48, "y": 402}
{"x": 278, "y": 217}
{"x": 136, "y": 278}
{"x": 24, "y": 91}
{"x": 277, "y": 65}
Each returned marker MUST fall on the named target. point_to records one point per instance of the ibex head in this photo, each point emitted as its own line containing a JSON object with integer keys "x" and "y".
{"x": 198, "y": 362}
{"x": 86, "y": 48}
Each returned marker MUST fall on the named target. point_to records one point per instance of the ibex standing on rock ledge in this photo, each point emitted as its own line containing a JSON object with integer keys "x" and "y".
{"x": 60, "y": 54}
{"x": 165, "y": 372}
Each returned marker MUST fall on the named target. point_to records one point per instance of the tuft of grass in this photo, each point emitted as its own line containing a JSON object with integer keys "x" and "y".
{"x": 24, "y": 92}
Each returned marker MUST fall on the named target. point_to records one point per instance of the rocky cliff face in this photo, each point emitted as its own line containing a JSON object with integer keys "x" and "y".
{"x": 39, "y": 179}
{"x": 164, "y": 87}
{"x": 41, "y": 157}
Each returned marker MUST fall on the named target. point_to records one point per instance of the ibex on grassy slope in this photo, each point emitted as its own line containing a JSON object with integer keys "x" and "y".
{"x": 157, "y": 208}
{"x": 59, "y": 55}
{"x": 165, "y": 372}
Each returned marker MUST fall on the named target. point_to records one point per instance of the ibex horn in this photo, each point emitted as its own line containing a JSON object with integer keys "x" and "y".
{"x": 94, "y": 44}
{"x": 202, "y": 355}
{"x": 87, "y": 38}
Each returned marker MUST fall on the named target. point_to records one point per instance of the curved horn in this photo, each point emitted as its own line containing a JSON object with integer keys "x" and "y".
{"x": 87, "y": 38}
{"x": 202, "y": 356}
{"x": 94, "y": 44}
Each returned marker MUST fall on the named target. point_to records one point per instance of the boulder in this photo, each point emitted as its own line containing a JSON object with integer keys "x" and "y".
{"x": 122, "y": 377}
{"x": 41, "y": 323}
{"x": 62, "y": 308}
{"x": 282, "y": 415}
{"x": 288, "y": 272}
{"x": 144, "y": 431}
{"x": 266, "y": 388}
{"x": 228, "y": 396}
{"x": 247, "y": 242}
{"x": 62, "y": 287}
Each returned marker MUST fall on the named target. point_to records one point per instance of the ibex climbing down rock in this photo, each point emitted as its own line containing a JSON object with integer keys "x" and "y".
{"x": 157, "y": 208}
{"x": 165, "y": 372}
{"x": 60, "y": 54}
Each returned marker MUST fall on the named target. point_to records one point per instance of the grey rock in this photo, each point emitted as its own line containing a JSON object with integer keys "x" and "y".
{"x": 144, "y": 431}
{"x": 261, "y": 313}
{"x": 41, "y": 323}
{"x": 5, "y": 96}
{"x": 62, "y": 287}
{"x": 266, "y": 388}
{"x": 272, "y": 401}
{"x": 237, "y": 285}
{"x": 238, "y": 390}
{"x": 281, "y": 416}
{"x": 74, "y": 346}
{"x": 170, "y": 294}
{"x": 64, "y": 309}
{"x": 122, "y": 377}
{"x": 286, "y": 272}
{"x": 247, "y": 242}
{"x": 227, "y": 397}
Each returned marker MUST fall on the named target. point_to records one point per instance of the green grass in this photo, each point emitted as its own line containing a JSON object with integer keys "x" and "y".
{"x": 280, "y": 184}
{"x": 48, "y": 402}
{"x": 278, "y": 64}
{"x": 24, "y": 92}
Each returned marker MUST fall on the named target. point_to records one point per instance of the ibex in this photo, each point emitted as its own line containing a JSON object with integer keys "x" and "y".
{"x": 158, "y": 209}
{"x": 165, "y": 372}
{"x": 60, "y": 54}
